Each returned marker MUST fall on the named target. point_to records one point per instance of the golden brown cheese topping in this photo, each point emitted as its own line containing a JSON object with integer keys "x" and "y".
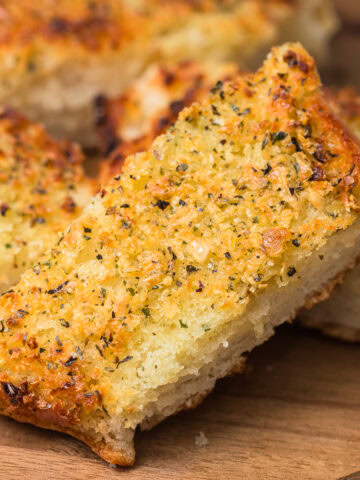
{"x": 226, "y": 204}
{"x": 130, "y": 123}
{"x": 42, "y": 189}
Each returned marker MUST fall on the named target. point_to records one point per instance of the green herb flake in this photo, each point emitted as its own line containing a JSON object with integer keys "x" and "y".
{"x": 291, "y": 271}
{"x": 277, "y": 136}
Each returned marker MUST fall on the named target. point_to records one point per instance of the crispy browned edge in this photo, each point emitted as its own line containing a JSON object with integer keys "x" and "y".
{"x": 101, "y": 448}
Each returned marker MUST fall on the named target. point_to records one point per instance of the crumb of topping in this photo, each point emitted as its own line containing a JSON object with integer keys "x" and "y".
{"x": 201, "y": 440}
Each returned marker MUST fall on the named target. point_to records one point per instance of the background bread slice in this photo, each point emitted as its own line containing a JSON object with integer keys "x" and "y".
{"x": 57, "y": 55}
{"x": 42, "y": 189}
{"x": 228, "y": 225}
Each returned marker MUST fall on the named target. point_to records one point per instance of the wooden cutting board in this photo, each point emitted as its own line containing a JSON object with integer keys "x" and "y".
{"x": 295, "y": 414}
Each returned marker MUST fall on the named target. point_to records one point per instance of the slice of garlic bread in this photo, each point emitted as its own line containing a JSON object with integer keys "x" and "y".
{"x": 129, "y": 123}
{"x": 225, "y": 228}
{"x": 338, "y": 316}
{"x": 42, "y": 189}
{"x": 57, "y": 55}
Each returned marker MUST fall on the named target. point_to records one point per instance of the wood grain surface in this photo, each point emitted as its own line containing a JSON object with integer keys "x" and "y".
{"x": 295, "y": 413}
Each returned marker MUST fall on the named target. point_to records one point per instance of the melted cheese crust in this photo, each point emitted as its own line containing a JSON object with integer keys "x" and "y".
{"x": 229, "y": 202}
{"x": 42, "y": 189}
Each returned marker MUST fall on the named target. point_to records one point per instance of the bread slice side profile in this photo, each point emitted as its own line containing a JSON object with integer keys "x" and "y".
{"x": 246, "y": 209}
{"x": 57, "y": 55}
{"x": 338, "y": 316}
{"x": 42, "y": 189}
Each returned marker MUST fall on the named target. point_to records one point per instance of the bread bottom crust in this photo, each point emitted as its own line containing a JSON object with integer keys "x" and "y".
{"x": 124, "y": 456}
